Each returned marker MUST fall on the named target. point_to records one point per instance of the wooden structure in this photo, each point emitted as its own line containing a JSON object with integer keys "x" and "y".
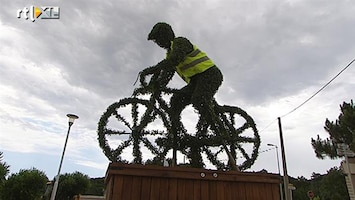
{"x": 139, "y": 182}
{"x": 88, "y": 197}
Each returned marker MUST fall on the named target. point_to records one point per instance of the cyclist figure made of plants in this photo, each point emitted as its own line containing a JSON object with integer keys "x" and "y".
{"x": 202, "y": 76}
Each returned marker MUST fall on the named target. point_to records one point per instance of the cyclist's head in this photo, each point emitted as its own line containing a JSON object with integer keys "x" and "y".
{"x": 162, "y": 34}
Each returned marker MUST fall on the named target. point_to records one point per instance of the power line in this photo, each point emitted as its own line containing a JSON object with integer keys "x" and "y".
{"x": 322, "y": 88}
{"x": 267, "y": 126}
{"x": 319, "y": 90}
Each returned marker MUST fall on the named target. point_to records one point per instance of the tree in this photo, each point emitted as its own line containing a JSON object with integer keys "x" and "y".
{"x": 340, "y": 131}
{"x": 4, "y": 171}
{"x": 302, "y": 187}
{"x": 72, "y": 184}
{"x": 333, "y": 185}
{"x": 325, "y": 186}
{"x": 97, "y": 186}
{"x": 27, "y": 184}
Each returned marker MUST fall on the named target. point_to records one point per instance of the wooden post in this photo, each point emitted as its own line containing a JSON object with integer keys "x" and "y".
{"x": 286, "y": 190}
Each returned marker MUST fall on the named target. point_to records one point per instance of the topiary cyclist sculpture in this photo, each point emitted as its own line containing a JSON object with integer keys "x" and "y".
{"x": 148, "y": 121}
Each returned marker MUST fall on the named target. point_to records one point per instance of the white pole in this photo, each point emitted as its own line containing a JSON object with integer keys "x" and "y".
{"x": 55, "y": 187}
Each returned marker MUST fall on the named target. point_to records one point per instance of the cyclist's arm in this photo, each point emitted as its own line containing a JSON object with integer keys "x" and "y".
{"x": 180, "y": 49}
{"x": 150, "y": 70}
{"x": 145, "y": 72}
{"x": 158, "y": 71}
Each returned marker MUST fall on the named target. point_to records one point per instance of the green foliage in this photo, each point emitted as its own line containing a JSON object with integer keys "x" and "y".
{"x": 302, "y": 187}
{"x": 162, "y": 34}
{"x": 97, "y": 187}
{"x": 4, "y": 171}
{"x": 340, "y": 131}
{"x": 72, "y": 184}
{"x": 330, "y": 186}
{"x": 333, "y": 185}
{"x": 25, "y": 185}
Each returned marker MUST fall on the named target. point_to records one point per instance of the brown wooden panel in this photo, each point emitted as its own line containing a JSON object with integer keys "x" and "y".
{"x": 220, "y": 189}
{"x": 127, "y": 187}
{"x": 189, "y": 189}
{"x": 146, "y": 183}
{"x": 197, "y": 190}
{"x": 249, "y": 191}
{"x": 164, "y": 189}
{"x": 255, "y": 188}
{"x": 154, "y": 188}
{"x": 232, "y": 191}
{"x": 181, "y": 189}
{"x": 205, "y": 190}
{"x": 227, "y": 189}
{"x": 109, "y": 188}
{"x": 190, "y": 173}
{"x": 173, "y": 189}
{"x": 136, "y": 188}
{"x": 240, "y": 191}
{"x": 276, "y": 193}
{"x": 266, "y": 192}
{"x": 138, "y": 182}
{"x": 213, "y": 189}
{"x": 118, "y": 186}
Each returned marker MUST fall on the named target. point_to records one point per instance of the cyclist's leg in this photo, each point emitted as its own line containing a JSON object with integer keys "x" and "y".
{"x": 178, "y": 102}
{"x": 206, "y": 87}
{"x": 207, "y": 84}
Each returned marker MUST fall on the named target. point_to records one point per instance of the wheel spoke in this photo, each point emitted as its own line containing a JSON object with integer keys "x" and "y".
{"x": 243, "y": 139}
{"x": 113, "y": 132}
{"x": 122, "y": 119}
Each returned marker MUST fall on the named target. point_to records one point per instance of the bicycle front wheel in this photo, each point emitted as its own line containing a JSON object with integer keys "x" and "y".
{"x": 131, "y": 129}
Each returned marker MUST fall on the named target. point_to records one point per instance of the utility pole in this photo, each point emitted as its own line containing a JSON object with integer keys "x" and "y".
{"x": 286, "y": 182}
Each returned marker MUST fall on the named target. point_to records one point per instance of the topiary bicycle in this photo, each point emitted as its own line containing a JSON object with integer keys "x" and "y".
{"x": 142, "y": 122}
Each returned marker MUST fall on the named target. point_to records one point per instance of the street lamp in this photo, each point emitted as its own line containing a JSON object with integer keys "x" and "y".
{"x": 72, "y": 118}
{"x": 278, "y": 166}
{"x": 277, "y": 155}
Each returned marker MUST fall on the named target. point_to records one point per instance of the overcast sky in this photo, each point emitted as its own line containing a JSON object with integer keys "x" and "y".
{"x": 274, "y": 55}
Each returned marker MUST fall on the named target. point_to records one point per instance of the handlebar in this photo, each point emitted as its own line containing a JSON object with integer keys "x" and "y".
{"x": 157, "y": 84}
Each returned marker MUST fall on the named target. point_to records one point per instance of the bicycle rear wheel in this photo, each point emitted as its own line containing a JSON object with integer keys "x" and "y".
{"x": 234, "y": 134}
{"x": 241, "y": 138}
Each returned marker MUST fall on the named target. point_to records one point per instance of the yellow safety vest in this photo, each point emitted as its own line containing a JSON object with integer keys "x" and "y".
{"x": 194, "y": 63}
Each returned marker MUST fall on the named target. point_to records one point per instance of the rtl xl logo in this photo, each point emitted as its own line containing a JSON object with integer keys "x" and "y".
{"x": 42, "y": 12}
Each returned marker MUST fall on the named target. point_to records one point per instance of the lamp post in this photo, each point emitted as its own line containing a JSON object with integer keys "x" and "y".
{"x": 277, "y": 155}
{"x": 72, "y": 118}
{"x": 278, "y": 165}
